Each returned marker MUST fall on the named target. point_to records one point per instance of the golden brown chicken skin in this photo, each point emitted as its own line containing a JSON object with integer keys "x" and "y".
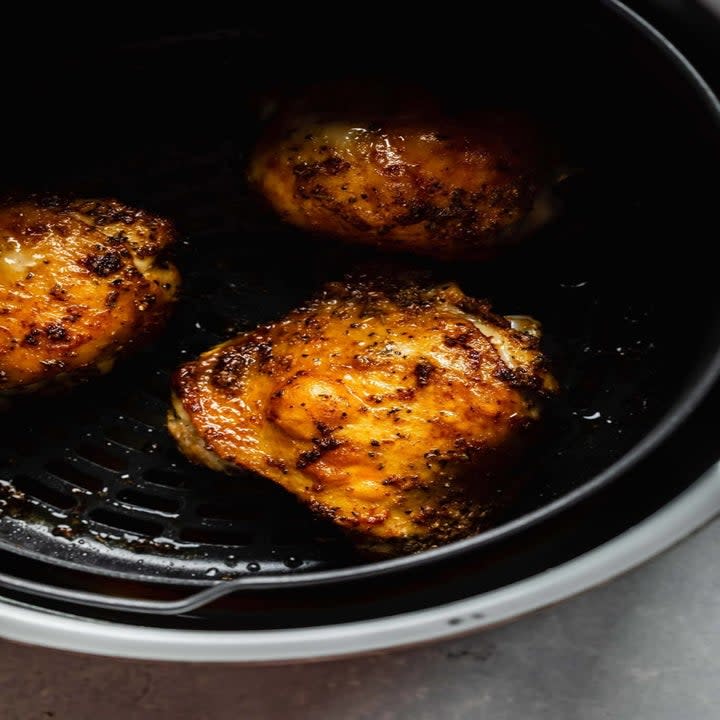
{"x": 80, "y": 282}
{"x": 395, "y": 410}
{"x": 409, "y": 178}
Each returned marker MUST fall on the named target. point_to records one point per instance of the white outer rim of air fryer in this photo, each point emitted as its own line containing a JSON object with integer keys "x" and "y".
{"x": 688, "y": 512}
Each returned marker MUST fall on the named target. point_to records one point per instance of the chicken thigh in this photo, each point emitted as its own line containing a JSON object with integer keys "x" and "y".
{"x": 404, "y": 174}
{"x": 81, "y": 281}
{"x": 396, "y": 409}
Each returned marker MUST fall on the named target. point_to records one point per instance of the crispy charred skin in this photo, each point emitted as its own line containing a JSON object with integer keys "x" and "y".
{"x": 80, "y": 282}
{"x": 394, "y": 411}
{"x": 410, "y": 178}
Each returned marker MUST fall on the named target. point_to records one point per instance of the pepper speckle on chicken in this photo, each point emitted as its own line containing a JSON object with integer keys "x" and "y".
{"x": 404, "y": 174}
{"x": 394, "y": 409}
{"x": 81, "y": 281}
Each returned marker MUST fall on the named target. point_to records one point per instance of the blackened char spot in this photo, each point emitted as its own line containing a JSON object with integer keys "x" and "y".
{"x": 56, "y": 332}
{"x": 307, "y": 458}
{"x": 32, "y": 338}
{"x": 305, "y": 170}
{"x": 456, "y": 341}
{"x": 107, "y": 213}
{"x": 423, "y": 372}
{"x": 231, "y": 366}
{"x": 103, "y": 264}
{"x": 323, "y": 510}
{"x": 322, "y": 445}
{"x": 334, "y": 165}
{"x": 118, "y": 238}
{"x": 330, "y": 166}
{"x": 58, "y": 292}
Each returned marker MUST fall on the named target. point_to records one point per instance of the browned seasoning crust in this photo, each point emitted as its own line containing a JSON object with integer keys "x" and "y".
{"x": 406, "y": 177}
{"x": 395, "y": 410}
{"x": 80, "y": 282}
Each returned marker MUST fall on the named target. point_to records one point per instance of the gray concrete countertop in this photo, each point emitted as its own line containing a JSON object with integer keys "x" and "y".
{"x": 646, "y": 646}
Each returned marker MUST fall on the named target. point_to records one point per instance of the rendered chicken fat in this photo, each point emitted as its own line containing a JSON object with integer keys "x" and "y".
{"x": 396, "y": 410}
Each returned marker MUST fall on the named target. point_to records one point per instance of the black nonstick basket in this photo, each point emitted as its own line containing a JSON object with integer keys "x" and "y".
{"x": 94, "y": 495}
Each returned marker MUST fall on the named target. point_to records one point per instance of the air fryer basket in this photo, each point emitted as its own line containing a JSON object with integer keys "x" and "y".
{"x": 92, "y": 481}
